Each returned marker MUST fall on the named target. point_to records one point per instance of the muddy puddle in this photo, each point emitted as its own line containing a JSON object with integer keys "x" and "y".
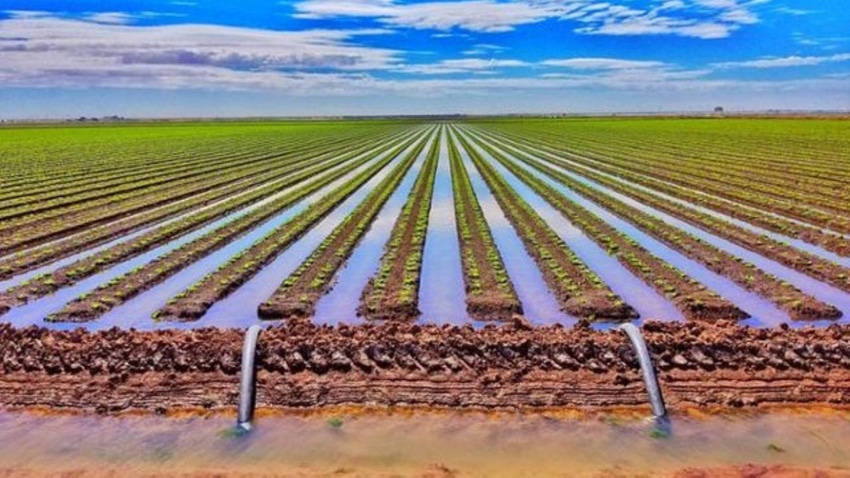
{"x": 354, "y": 443}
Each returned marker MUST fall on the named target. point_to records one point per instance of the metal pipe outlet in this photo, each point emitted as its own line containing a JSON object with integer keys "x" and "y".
{"x": 248, "y": 386}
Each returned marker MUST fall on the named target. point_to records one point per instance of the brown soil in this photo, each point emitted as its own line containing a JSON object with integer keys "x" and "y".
{"x": 303, "y": 365}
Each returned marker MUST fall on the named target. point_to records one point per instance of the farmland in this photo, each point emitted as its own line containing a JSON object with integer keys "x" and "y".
{"x": 736, "y": 230}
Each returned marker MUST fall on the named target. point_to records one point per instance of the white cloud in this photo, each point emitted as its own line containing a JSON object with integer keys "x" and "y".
{"x": 601, "y": 63}
{"x": 706, "y": 19}
{"x": 472, "y": 15}
{"x": 52, "y": 51}
{"x": 110, "y": 18}
{"x": 786, "y": 62}
{"x": 464, "y": 65}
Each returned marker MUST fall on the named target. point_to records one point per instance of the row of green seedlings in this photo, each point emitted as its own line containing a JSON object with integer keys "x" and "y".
{"x": 87, "y": 159}
{"x": 39, "y": 230}
{"x": 720, "y": 185}
{"x": 65, "y": 276}
{"x": 297, "y": 296}
{"x": 807, "y": 206}
{"x": 393, "y": 293}
{"x": 579, "y": 291}
{"x": 725, "y": 156}
{"x": 132, "y": 185}
{"x": 688, "y": 295}
{"x": 801, "y": 261}
{"x": 784, "y": 295}
{"x": 265, "y": 184}
{"x": 813, "y": 235}
{"x": 489, "y": 292}
{"x": 192, "y": 303}
{"x": 108, "y": 296}
{"x": 101, "y": 182}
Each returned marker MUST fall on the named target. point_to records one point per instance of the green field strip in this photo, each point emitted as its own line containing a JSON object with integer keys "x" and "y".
{"x": 148, "y": 180}
{"x": 193, "y": 303}
{"x": 394, "y": 290}
{"x": 490, "y": 295}
{"x": 297, "y": 296}
{"x": 121, "y": 289}
{"x": 691, "y": 297}
{"x": 784, "y": 295}
{"x": 779, "y": 224}
{"x": 30, "y": 258}
{"x": 579, "y": 291}
{"x": 66, "y": 276}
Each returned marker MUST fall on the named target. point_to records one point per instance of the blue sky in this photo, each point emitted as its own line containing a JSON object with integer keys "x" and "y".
{"x": 160, "y": 58}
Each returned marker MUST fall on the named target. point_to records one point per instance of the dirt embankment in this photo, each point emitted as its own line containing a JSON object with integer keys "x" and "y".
{"x": 302, "y": 365}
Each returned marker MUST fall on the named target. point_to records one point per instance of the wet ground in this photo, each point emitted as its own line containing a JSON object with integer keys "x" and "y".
{"x": 347, "y": 442}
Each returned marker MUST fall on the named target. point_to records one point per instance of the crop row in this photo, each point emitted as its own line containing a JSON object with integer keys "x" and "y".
{"x": 810, "y": 234}
{"x": 692, "y": 298}
{"x": 783, "y": 294}
{"x": 393, "y": 293}
{"x": 35, "y": 206}
{"x": 192, "y": 303}
{"x": 579, "y": 291}
{"x": 246, "y": 192}
{"x": 121, "y": 289}
{"x": 802, "y": 261}
{"x": 14, "y": 236}
{"x": 297, "y": 296}
{"x": 65, "y": 276}
{"x": 54, "y": 159}
{"x": 777, "y": 157}
{"x": 489, "y": 292}
{"x": 790, "y": 200}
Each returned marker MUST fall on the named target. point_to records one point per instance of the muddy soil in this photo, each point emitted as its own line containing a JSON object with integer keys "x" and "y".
{"x": 512, "y": 366}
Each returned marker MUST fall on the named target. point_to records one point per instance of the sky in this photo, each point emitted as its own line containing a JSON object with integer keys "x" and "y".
{"x": 178, "y": 58}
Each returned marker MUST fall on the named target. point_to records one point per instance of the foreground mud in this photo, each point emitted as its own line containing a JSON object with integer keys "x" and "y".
{"x": 302, "y": 365}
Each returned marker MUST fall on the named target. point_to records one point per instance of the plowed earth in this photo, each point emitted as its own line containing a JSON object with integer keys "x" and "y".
{"x": 507, "y": 367}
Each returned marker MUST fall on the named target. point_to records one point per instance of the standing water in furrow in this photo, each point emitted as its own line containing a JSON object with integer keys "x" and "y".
{"x": 760, "y": 310}
{"x": 297, "y": 296}
{"x": 441, "y": 289}
{"x": 793, "y": 241}
{"x": 489, "y": 292}
{"x": 144, "y": 231}
{"x": 538, "y": 303}
{"x": 648, "y": 303}
{"x": 118, "y": 291}
{"x": 392, "y": 293}
{"x": 579, "y": 290}
{"x": 340, "y": 304}
{"x": 783, "y": 286}
{"x": 233, "y": 292}
{"x": 170, "y": 234}
{"x": 692, "y": 298}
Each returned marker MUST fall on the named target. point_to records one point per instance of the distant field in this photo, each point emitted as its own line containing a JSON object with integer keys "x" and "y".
{"x": 224, "y": 224}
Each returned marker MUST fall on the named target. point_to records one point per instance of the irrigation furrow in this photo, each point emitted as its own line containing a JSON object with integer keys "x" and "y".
{"x": 297, "y": 296}
{"x": 193, "y": 210}
{"x": 71, "y": 274}
{"x": 489, "y": 292}
{"x": 787, "y": 297}
{"x": 121, "y": 289}
{"x": 689, "y": 296}
{"x": 580, "y": 292}
{"x": 827, "y": 244}
{"x": 194, "y": 302}
{"x": 393, "y": 293}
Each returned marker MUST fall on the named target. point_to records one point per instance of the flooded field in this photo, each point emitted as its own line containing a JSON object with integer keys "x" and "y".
{"x": 347, "y": 442}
